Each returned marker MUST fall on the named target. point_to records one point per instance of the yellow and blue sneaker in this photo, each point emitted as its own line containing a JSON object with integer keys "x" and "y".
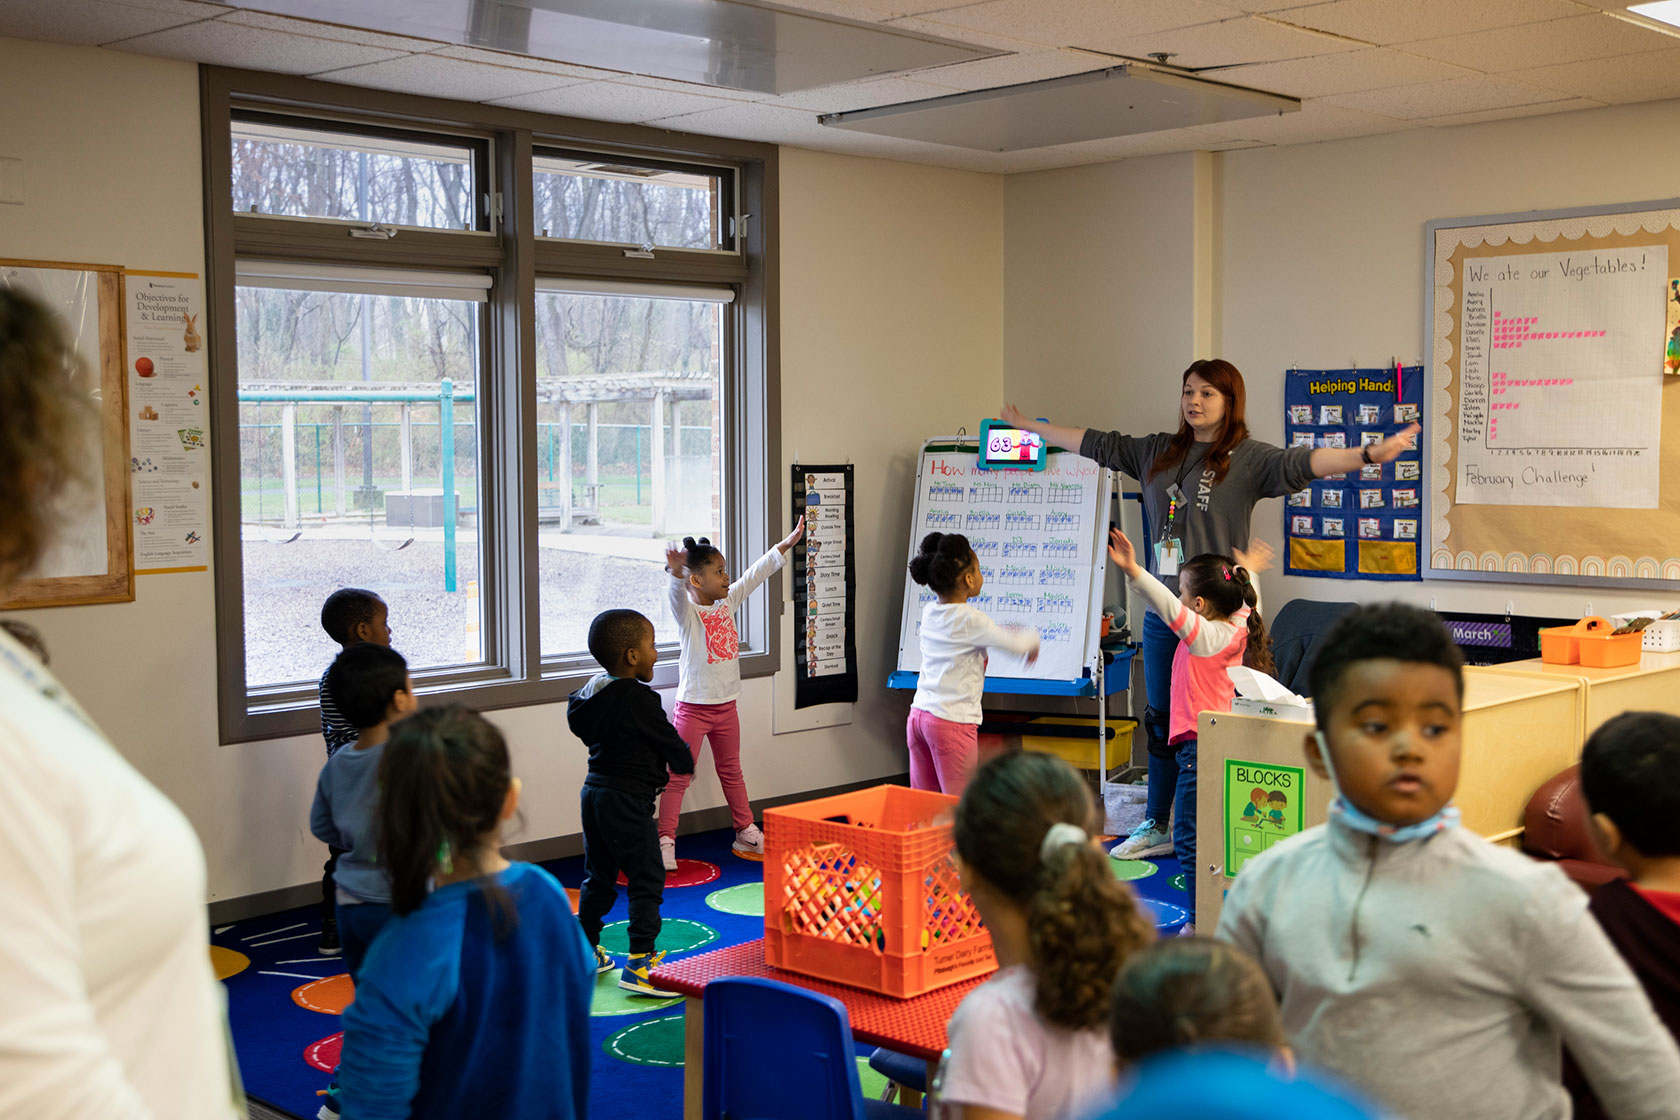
{"x": 635, "y": 977}
{"x": 603, "y": 961}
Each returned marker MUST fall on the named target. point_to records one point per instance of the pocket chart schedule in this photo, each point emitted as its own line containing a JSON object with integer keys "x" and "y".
{"x": 824, "y": 588}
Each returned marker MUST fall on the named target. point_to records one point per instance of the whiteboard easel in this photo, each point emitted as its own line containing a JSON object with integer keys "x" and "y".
{"x": 950, "y": 484}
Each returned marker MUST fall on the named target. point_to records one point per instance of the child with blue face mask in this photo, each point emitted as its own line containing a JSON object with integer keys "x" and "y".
{"x": 1439, "y": 972}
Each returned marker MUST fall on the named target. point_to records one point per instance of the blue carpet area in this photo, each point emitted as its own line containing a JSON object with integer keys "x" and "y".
{"x": 277, "y": 1016}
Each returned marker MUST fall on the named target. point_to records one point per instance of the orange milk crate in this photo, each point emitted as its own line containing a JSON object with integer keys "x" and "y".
{"x": 1591, "y": 642}
{"x": 861, "y": 889}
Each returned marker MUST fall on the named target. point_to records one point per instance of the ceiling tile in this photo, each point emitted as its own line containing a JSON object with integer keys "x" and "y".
{"x": 612, "y": 101}
{"x": 1316, "y": 121}
{"x": 253, "y": 48}
{"x": 1015, "y": 69}
{"x": 91, "y": 22}
{"x": 1650, "y": 76}
{"x": 750, "y": 121}
{"x": 1456, "y": 95}
{"x": 1528, "y": 45}
{"x": 931, "y": 25}
{"x": 1545, "y": 108}
{"x": 191, "y": 8}
{"x": 1077, "y": 24}
{"x": 434, "y": 76}
{"x": 1385, "y": 22}
{"x": 1264, "y": 7}
{"x": 1348, "y": 72}
{"x": 246, "y": 17}
{"x": 863, "y": 95}
{"x": 1231, "y": 42}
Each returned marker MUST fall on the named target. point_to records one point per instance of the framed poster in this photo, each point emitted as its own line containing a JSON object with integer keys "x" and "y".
{"x": 90, "y": 559}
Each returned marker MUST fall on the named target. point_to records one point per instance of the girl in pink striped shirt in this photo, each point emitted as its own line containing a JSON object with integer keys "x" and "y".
{"x": 1217, "y": 619}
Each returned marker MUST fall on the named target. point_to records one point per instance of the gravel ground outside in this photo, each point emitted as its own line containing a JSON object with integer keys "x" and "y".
{"x": 285, "y": 585}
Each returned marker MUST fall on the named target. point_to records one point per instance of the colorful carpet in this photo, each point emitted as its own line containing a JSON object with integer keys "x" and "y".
{"x": 284, "y": 999}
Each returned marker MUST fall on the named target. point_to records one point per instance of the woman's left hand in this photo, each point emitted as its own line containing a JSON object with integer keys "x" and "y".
{"x": 1396, "y": 445}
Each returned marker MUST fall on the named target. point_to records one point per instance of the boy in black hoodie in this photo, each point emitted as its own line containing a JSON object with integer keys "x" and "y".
{"x": 631, "y": 745}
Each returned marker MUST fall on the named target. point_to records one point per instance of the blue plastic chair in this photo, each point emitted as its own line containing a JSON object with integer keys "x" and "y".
{"x": 777, "y": 1052}
{"x": 901, "y": 1071}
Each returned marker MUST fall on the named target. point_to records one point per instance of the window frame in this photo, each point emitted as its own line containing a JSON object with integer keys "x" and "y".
{"x": 514, "y": 672}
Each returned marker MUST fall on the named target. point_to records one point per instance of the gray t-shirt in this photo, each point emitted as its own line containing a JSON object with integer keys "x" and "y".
{"x": 1216, "y": 518}
{"x": 346, "y": 800}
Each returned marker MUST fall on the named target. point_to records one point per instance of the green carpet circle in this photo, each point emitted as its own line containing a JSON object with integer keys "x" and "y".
{"x": 657, "y": 1042}
{"x": 874, "y": 1084}
{"x": 610, "y": 999}
{"x": 747, "y": 899}
{"x": 1177, "y": 882}
{"x": 676, "y": 935}
{"x": 1128, "y": 869}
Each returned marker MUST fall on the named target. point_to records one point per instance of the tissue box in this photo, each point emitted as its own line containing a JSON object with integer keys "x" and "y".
{"x": 1248, "y": 706}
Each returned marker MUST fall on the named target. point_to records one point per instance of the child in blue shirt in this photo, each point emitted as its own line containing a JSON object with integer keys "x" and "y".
{"x": 350, "y": 615}
{"x": 474, "y": 1002}
{"x": 373, "y": 690}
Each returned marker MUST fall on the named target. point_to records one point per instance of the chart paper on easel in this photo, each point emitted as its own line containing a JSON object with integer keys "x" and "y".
{"x": 1038, "y": 539}
{"x": 1560, "y": 397}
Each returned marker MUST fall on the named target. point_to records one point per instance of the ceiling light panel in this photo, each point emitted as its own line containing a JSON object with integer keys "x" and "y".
{"x": 723, "y": 43}
{"x": 1119, "y": 101}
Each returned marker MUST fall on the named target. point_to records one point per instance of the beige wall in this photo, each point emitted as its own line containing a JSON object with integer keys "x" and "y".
{"x": 892, "y": 305}
{"x": 1103, "y": 282}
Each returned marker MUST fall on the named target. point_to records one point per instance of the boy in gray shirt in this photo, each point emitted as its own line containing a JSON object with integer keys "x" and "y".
{"x": 1410, "y": 956}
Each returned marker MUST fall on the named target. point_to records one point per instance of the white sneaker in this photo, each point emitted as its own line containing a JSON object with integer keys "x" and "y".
{"x": 749, "y": 839}
{"x": 668, "y": 852}
{"x": 1148, "y": 840}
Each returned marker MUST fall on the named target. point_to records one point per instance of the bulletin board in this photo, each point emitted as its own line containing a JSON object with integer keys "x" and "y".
{"x": 90, "y": 557}
{"x": 1554, "y": 413}
{"x": 1365, "y": 524}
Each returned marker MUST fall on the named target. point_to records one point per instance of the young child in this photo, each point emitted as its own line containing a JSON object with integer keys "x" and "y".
{"x": 944, "y": 728}
{"x": 1630, "y": 778}
{"x": 703, "y": 602}
{"x": 1412, "y": 957}
{"x": 1216, "y": 617}
{"x": 373, "y": 690}
{"x": 475, "y": 1000}
{"x": 1030, "y": 1042}
{"x": 631, "y": 745}
{"x": 349, "y": 615}
{"x": 1192, "y": 991}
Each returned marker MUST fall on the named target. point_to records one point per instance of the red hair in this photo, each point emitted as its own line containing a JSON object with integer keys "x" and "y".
{"x": 1226, "y": 378}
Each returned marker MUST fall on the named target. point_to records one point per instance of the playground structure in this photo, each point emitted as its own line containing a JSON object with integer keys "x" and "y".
{"x": 677, "y": 482}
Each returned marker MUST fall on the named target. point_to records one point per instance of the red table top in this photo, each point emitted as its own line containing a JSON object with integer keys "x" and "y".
{"x": 911, "y": 1026}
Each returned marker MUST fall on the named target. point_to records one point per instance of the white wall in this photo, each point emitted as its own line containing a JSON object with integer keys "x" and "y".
{"x": 1316, "y": 253}
{"x": 892, "y": 306}
{"x": 1322, "y": 261}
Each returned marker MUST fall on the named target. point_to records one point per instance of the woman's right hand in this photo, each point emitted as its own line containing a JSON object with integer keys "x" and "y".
{"x": 1013, "y": 416}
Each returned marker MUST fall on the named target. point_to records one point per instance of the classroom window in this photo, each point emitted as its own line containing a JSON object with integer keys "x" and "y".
{"x": 629, "y": 385}
{"x": 592, "y": 199}
{"x": 600, "y": 397}
{"x": 358, "y": 461}
{"x": 298, "y": 172}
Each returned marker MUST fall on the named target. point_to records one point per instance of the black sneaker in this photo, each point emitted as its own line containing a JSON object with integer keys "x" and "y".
{"x": 328, "y": 946}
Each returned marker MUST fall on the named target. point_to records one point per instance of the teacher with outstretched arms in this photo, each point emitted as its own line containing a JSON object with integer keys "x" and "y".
{"x": 1200, "y": 486}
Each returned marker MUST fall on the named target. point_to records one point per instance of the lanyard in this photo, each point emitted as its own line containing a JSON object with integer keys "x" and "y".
{"x": 1175, "y": 495}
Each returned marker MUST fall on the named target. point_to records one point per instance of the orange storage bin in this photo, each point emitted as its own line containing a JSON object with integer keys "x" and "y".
{"x": 861, "y": 889}
{"x": 1592, "y": 642}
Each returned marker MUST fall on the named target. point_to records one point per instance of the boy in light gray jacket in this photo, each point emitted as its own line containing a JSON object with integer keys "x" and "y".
{"x": 1412, "y": 957}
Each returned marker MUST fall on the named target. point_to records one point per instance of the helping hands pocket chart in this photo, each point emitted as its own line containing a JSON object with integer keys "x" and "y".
{"x": 824, "y": 587}
{"x": 1040, "y": 540}
{"x": 1367, "y": 523}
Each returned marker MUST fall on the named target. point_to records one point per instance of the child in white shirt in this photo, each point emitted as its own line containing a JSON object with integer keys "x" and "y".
{"x": 703, "y": 602}
{"x": 944, "y": 727}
